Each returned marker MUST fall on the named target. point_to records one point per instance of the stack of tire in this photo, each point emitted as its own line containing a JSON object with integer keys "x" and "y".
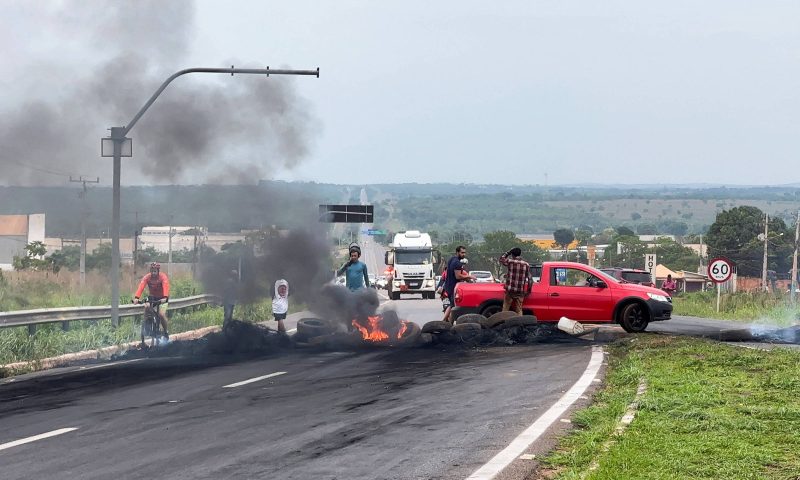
{"x": 473, "y": 328}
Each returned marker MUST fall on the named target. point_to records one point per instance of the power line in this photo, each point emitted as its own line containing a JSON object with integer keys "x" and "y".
{"x": 39, "y": 169}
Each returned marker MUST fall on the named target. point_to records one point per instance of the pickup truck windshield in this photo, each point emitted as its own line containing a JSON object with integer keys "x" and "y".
{"x": 412, "y": 257}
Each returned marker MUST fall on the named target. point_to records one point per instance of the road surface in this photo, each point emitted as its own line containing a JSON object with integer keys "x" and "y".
{"x": 420, "y": 413}
{"x": 400, "y": 414}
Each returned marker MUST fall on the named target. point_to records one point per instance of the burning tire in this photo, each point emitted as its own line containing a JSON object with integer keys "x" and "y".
{"x": 470, "y": 318}
{"x": 313, "y": 327}
{"x": 411, "y": 335}
{"x": 521, "y": 321}
{"x": 437, "y": 326}
{"x": 498, "y": 319}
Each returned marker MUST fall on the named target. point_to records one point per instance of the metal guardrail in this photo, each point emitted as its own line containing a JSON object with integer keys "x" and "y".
{"x": 21, "y": 318}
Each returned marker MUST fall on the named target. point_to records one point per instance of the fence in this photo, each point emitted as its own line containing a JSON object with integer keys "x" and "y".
{"x": 31, "y": 318}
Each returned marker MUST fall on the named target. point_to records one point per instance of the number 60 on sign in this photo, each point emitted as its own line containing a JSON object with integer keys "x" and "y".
{"x": 719, "y": 270}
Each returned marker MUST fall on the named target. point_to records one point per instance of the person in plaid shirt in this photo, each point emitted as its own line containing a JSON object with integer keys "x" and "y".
{"x": 518, "y": 280}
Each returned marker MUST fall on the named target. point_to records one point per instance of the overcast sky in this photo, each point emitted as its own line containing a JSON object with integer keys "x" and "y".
{"x": 483, "y": 92}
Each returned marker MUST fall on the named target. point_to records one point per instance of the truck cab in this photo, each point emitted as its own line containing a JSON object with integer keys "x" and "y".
{"x": 412, "y": 258}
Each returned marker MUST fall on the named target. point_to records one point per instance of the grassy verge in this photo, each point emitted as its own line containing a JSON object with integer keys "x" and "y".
{"x": 711, "y": 411}
{"x": 743, "y": 306}
{"x": 35, "y": 290}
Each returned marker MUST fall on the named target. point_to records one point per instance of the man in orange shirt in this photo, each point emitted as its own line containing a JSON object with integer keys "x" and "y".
{"x": 157, "y": 284}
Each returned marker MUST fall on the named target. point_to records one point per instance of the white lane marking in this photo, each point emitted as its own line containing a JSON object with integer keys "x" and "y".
{"x": 291, "y": 331}
{"x": 111, "y": 364}
{"x": 517, "y": 446}
{"x": 251, "y": 380}
{"x": 41, "y": 436}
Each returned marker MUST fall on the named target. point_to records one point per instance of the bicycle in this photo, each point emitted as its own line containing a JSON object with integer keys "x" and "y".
{"x": 151, "y": 323}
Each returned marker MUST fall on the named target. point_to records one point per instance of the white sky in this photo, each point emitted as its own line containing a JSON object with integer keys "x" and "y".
{"x": 502, "y": 92}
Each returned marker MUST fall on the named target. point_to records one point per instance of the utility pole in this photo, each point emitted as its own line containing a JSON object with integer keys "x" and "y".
{"x": 84, "y": 214}
{"x": 169, "y": 249}
{"x": 766, "y": 242}
{"x": 794, "y": 257}
{"x": 135, "y": 242}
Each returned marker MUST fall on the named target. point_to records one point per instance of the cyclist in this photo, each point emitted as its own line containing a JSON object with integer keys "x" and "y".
{"x": 157, "y": 284}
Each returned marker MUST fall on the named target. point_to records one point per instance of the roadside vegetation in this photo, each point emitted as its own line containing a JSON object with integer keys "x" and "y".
{"x": 710, "y": 411}
{"x": 755, "y": 307}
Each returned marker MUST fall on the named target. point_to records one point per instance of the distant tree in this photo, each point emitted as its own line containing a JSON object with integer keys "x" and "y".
{"x": 564, "y": 236}
{"x": 624, "y": 231}
{"x": 100, "y": 258}
{"x": 675, "y": 228}
{"x": 675, "y": 256}
{"x": 33, "y": 258}
{"x": 647, "y": 229}
{"x": 734, "y": 234}
{"x": 583, "y": 235}
{"x": 635, "y": 216}
{"x": 68, "y": 257}
{"x": 625, "y": 251}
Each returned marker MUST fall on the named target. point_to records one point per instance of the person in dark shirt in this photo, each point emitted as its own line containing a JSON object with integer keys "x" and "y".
{"x": 455, "y": 273}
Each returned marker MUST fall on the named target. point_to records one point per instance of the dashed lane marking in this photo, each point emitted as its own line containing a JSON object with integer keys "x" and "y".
{"x": 517, "y": 446}
{"x": 41, "y": 436}
{"x": 251, "y": 380}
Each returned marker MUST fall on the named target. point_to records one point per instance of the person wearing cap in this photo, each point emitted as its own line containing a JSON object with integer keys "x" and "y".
{"x": 355, "y": 271}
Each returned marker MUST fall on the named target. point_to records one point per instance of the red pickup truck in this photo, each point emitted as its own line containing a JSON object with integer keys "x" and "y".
{"x": 575, "y": 291}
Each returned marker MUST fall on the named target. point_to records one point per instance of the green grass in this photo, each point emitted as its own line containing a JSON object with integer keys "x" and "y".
{"x": 711, "y": 411}
{"x": 743, "y": 306}
{"x": 39, "y": 291}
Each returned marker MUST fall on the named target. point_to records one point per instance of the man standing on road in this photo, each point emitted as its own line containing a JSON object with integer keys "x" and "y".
{"x": 518, "y": 280}
{"x": 355, "y": 271}
{"x": 455, "y": 273}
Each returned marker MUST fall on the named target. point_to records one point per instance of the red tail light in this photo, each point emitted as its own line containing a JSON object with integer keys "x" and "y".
{"x": 458, "y": 295}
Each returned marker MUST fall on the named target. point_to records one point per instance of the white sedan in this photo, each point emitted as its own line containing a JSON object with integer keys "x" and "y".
{"x": 483, "y": 276}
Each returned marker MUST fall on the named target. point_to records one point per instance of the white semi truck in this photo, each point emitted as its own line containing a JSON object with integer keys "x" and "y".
{"x": 411, "y": 258}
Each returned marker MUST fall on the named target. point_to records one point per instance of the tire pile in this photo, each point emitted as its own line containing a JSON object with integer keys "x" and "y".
{"x": 503, "y": 328}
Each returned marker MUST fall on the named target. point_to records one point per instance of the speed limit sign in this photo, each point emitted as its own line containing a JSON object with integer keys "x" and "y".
{"x": 719, "y": 270}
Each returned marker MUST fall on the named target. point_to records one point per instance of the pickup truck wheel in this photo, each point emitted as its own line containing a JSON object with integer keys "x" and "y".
{"x": 395, "y": 295}
{"x": 634, "y": 318}
{"x": 491, "y": 309}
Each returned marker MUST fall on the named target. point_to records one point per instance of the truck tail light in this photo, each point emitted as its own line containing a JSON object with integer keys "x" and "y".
{"x": 458, "y": 296}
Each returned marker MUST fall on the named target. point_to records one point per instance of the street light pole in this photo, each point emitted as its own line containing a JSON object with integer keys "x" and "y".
{"x": 794, "y": 258}
{"x": 119, "y": 139}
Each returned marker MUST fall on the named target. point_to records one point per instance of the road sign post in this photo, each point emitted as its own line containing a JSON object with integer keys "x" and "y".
{"x": 650, "y": 266}
{"x": 719, "y": 272}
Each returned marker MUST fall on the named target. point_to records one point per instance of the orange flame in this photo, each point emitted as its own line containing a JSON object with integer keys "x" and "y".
{"x": 373, "y": 331}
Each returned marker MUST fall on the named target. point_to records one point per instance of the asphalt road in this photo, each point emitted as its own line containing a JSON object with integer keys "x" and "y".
{"x": 400, "y": 414}
{"x": 421, "y": 413}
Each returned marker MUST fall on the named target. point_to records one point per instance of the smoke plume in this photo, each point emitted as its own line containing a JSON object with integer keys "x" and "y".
{"x": 235, "y": 129}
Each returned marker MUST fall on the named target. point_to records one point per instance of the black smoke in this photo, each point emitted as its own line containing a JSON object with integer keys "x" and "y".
{"x": 236, "y": 129}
